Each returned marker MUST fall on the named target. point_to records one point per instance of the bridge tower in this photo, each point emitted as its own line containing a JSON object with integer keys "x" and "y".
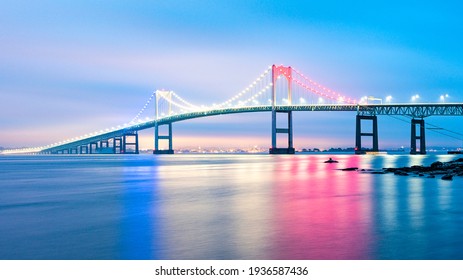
{"x": 359, "y": 133}
{"x": 286, "y": 72}
{"x": 167, "y": 95}
{"x": 127, "y": 143}
{"x": 421, "y": 137}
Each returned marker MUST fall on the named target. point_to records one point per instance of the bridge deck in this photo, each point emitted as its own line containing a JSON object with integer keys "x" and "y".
{"x": 411, "y": 110}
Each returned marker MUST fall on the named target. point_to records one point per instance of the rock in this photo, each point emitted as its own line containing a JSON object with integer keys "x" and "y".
{"x": 417, "y": 167}
{"x": 436, "y": 165}
{"x": 447, "y": 177}
{"x": 447, "y": 169}
{"x": 389, "y": 169}
{"x": 350, "y": 169}
{"x": 400, "y": 173}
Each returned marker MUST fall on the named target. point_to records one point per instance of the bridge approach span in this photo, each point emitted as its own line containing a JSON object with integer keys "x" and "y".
{"x": 366, "y": 110}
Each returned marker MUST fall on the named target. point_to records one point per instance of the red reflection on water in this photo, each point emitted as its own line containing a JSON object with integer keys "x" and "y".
{"x": 321, "y": 212}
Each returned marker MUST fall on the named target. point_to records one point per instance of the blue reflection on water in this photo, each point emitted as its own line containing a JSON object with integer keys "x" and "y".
{"x": 417, "y": 218}
{"x": 139, "y": 222}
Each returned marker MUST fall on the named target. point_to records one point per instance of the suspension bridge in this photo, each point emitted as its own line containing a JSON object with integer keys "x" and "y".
{"x": 280, "y": 90}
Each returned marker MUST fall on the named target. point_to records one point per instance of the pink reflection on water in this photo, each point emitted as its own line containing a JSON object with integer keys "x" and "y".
{"x": 321, "y": 212}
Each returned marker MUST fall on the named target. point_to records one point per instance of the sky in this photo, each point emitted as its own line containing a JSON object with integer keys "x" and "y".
{"x": 73, "y": 67}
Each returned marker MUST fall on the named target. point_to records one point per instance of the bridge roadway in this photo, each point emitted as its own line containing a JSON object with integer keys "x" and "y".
{"x": 421, "y": 110}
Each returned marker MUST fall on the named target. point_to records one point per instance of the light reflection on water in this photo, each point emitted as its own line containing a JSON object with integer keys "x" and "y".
{"x": 225, "y": 207}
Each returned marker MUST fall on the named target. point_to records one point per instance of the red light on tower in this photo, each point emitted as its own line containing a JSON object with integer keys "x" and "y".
{"x": 286, "y": 72}
{"x": 281, "y": 70}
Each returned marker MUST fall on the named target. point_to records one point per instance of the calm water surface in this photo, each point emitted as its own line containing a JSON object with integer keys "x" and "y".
{"x": 225, "y": 207}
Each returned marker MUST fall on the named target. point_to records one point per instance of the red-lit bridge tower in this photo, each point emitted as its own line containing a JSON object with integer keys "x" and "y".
{"x": 286, "y": 72}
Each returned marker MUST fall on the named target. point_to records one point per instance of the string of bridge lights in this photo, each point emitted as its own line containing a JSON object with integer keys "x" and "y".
{"x": 337, "y": 96}
{"x": 313, "y": 90}
{"x": 184, "y": 101}
{"x": 144, "y": 107}
{"x": 247, "y": 89}
{"x": 204, "y": 108}
{"x": 188, "y": 106}
{"x": 261, "y": 83}
{"x": 253, "y": 98}
{"x": 189, "y": 109}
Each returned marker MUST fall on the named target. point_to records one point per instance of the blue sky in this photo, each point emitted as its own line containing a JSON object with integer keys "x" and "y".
{"x": 72, "y": 67}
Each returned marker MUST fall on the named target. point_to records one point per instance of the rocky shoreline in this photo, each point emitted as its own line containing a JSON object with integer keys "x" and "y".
{"x": 445, "y": 169}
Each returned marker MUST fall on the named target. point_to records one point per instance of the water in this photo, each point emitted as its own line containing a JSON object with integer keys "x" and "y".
{"x": 225, "y": 207}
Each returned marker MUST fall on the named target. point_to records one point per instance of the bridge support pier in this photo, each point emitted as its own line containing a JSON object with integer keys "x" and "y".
{"x": 288, "y": 130}
{"x": 421, "y": 137}
{"x": 105, "y": 147}
{"x": 359, "y": 134}
{"x": 82, "y": 148}
{"x": 92, "y": 150}
{"x": 158, "y": 137}
{"x": 134, "y": 136}
{"x": 104, "y": 143}
{"x": 117, "y": 145}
